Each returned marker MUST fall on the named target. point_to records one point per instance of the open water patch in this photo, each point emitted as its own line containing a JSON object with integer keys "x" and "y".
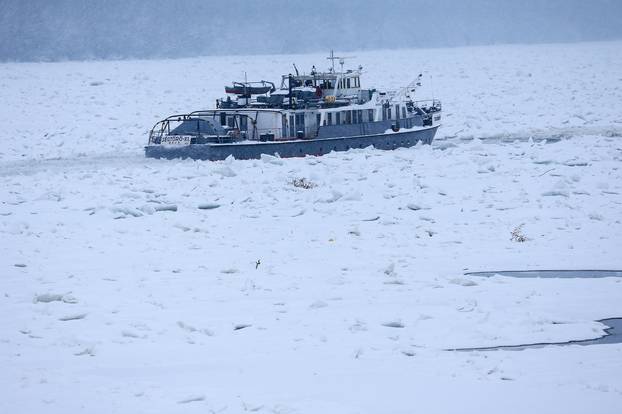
{"x": 551, "y": 274}
{"x": 613, "y": 335}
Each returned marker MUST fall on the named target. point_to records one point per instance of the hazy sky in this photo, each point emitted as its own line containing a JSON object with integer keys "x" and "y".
{"x": 88, "y": 29}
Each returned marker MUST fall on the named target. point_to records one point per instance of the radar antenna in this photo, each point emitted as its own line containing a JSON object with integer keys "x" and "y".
{"x": 341, "y": 60}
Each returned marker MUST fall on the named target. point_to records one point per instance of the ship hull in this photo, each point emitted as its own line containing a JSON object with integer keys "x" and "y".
{"x": 295, "y": 148}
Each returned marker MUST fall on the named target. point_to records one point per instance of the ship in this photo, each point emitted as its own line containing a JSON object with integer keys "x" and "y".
{"x": 311, "y": 113}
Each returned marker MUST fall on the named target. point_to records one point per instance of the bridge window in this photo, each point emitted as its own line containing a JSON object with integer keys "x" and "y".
{"x": 348, "y": 82}
{"x": 370, "y": 115}
{"x": 348, "y": 117}
{"x": 337, "y": 118}
{"x": 330, "y": 118}
{"x": 300, "y": 121}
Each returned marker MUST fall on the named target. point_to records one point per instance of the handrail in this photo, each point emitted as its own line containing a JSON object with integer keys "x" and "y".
{"x": 163, "y": 127}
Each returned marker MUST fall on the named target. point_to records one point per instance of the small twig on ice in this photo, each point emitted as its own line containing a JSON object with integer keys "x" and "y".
{"x": 547, "y": 171}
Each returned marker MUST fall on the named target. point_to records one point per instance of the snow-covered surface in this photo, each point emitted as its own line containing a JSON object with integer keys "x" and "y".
{"x": 136, "y": 285}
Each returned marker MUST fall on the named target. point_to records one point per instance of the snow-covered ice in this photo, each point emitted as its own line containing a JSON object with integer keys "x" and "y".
{"x": 327, "y": 284}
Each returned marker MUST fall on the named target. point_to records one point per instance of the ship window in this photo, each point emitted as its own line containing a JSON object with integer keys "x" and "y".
{"x": 348, "y": 82}
{"x": 337, "y": 118}
{"x": 300, "y": 122}
{"x": 360, "y": 116}
{"x": 292, "y": 126}
{"x": 404, "y": 112}
{"x": 348, "y": 117}
{"x": 330, "y": 118}
{"x": 243, "y": 123}
{"x": 318, "y": 118}
{"x": 231, "y": 122}
{"x": 370, "y": 115}
{"x": 389, "y": 113}
{"x": 223, "y": 118}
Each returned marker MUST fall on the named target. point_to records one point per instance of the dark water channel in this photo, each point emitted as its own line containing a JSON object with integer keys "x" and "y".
{"x": 613, "y": 335}
{"x": 559, "y": 274}
{"x": 613, "y": 332}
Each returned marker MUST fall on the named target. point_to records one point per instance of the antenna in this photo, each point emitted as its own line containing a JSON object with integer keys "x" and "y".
{"x": 296, "y": 69}
{"x": 341, "y": 60}
{"x": 332, "y": 59}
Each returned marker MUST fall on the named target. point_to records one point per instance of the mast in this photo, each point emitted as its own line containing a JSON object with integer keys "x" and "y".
{"x": 289, "y": 86}
{"x": 332, "y": 58}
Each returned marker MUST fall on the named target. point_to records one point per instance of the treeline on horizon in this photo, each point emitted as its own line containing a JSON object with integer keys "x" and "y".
{"x": 33, "y": 30}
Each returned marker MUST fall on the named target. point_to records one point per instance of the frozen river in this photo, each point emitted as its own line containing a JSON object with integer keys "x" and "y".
{"x": 121, "y": 292}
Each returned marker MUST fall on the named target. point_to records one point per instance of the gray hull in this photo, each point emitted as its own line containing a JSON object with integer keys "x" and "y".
{"x": 298, "y": 148}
